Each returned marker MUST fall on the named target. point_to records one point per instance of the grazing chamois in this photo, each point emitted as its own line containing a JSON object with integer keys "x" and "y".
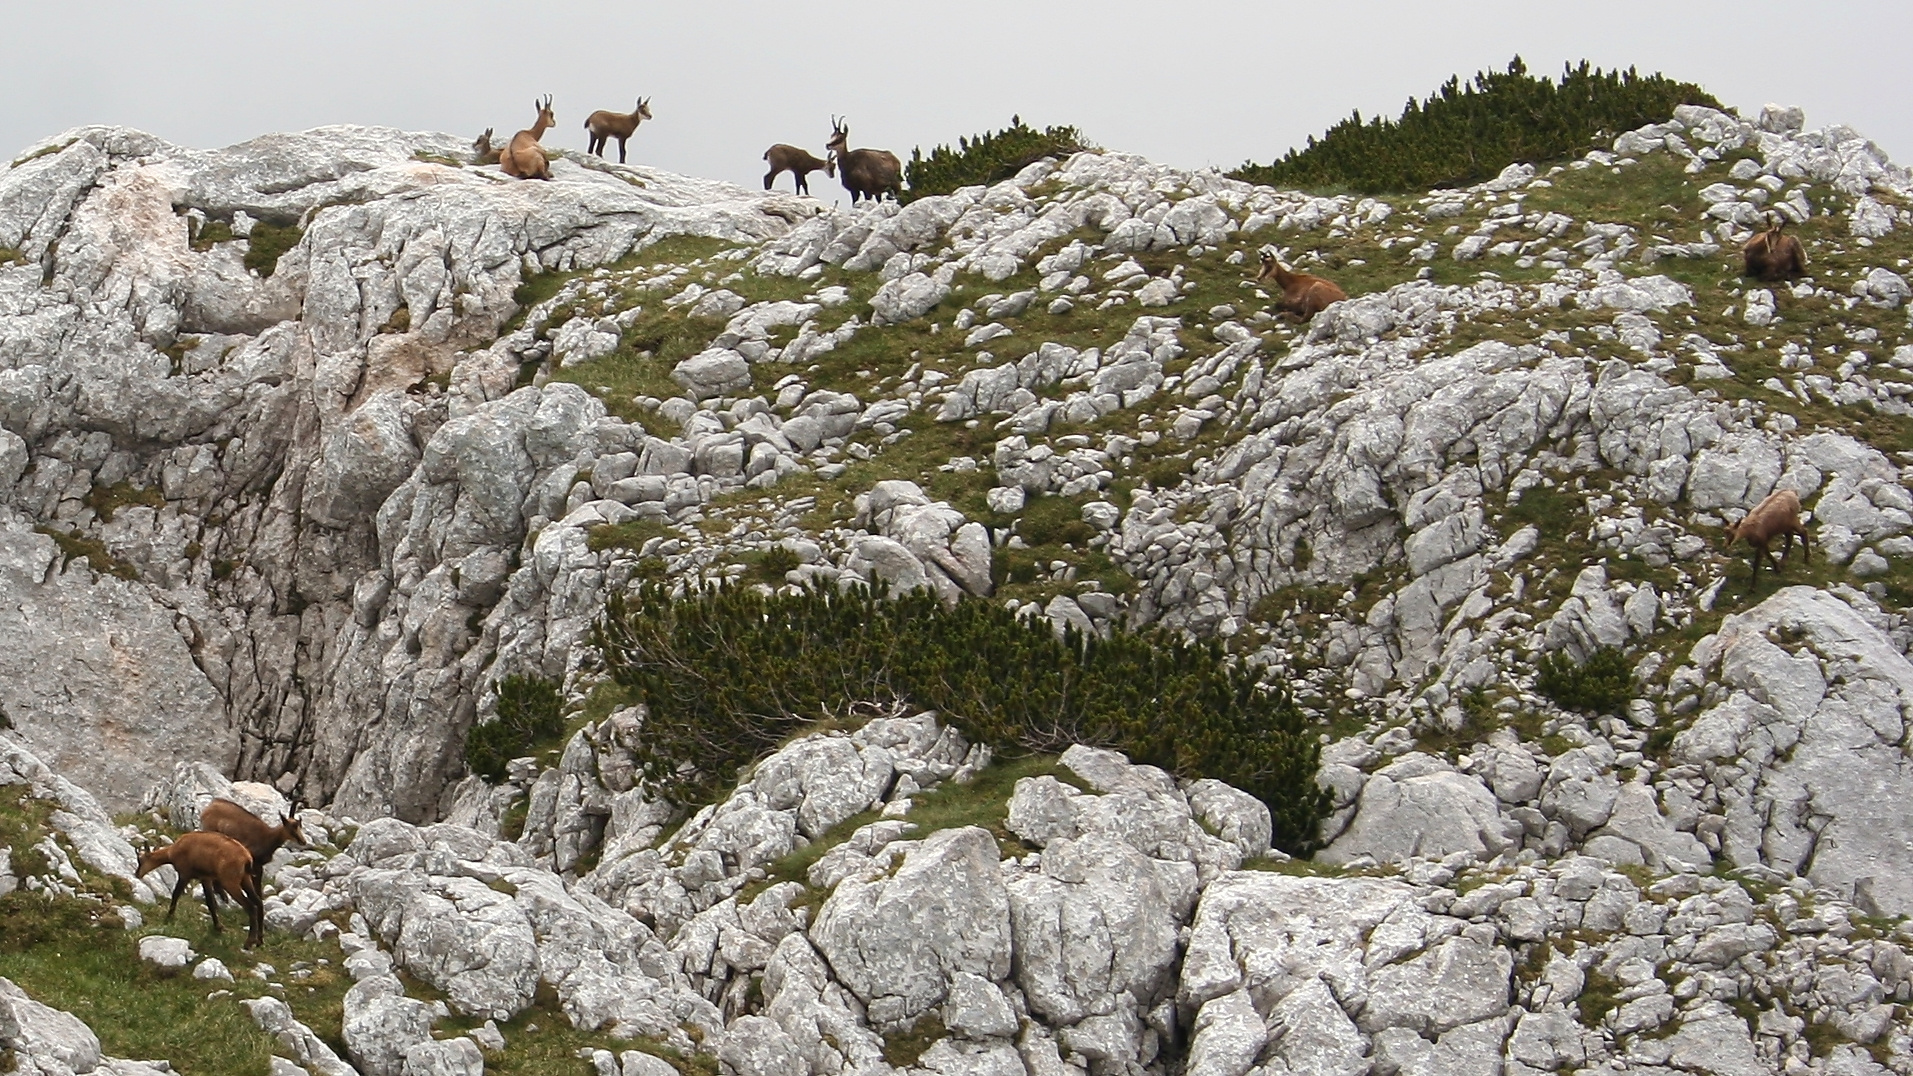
{"x": 261, "y": 840}
{"x": 523, "y": 157}
{"x": 211, "y": 859}
{"x": 483, "y": 152}
{"x": 798, "y": 162}
{"x": 1777, "y": 516}
{"x": 1772, "y": 255}
{"x": 1302, "y": 295}
{"x": 866, "y": 172}
{"x": 619, "y": 125}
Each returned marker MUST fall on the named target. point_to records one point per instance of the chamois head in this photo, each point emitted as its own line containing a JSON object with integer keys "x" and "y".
{"x": 546, "y": 120}
{"x": 839, "y": 137}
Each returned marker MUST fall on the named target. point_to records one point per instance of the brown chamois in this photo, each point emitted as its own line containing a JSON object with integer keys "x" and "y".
{"x": 523, "y": 157}
{"x": 1772, "y": 255}
{"x": 866, "y": 172}
{"x": 1302, "y": 295}
{"x": 1774, "y": 517}
{"x": 619, "y": 125}
{"x": 798, "y": 162}
{"x": 483, "y": 152}
{"x": 1777, "y": 516}
{"x": 261, "y": 840}
{"x": 211, "y": 859}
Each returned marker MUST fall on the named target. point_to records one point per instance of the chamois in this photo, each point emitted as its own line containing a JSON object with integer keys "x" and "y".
{"x": 866, "y": 172}
{"x": 483, "y": 152}
{"x": 261, "y": 840}
{"x": 523, "y": 157}
{"x": 1777, "y": 516}
{"x": 1772, "y": 255}
{"x": 798, "y": 162}
{"x": 607, "y": 125}
{"x": 211, "y": 859}
{"x": 1302, "y": 295}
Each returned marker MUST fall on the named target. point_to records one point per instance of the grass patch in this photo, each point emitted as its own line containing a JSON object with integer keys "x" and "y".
{"x": 267, "y": 242}
{"x": 905, "y": 1048}
{"x": 74, "y": 954}
{"x": 94, "y": 550}
{"x": 1600, "y": 994}
{"x": 105, "y": 500}
{"x": 43, "y": 151}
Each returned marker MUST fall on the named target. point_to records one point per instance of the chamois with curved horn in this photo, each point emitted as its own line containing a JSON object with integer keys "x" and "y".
{"x": 212, "y": 859}
{"x": 1303, "y": 295}
{"x": 523, "y": 157}
{"x": 1773, "y": 255}
{"x": 798, "y": 162}
{"x": 262, "y": 841}
{"x": 867, "y": 173}
{"x": 605, "y": 125}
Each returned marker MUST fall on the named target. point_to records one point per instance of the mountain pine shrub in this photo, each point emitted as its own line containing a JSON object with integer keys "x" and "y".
{"x": 729, "y": 673}
{"x": 1602, "y": 685}
{"x": 991, "y": 157}
{"x": 1467, "y": 133}
{"x": 529, "y": 711}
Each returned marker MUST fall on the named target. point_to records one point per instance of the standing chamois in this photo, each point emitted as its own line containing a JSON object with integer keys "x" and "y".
{"x": 523, "y": 157}
{"x": 483, "y": 152}
{"x": 1776, "y": 516}
{"x": 211, "y": 859}
{"x": 1303, "y": 295}
{"x": 866, "y": 172}
{"x": 798, "y": 162}
{"x": 1772, "y": 255}
{"x": 619, "y": 125}
{"x": 261, "y": 840}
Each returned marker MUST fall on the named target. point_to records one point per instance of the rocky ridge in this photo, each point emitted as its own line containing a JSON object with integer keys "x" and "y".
{"x": 1518, "y": 440}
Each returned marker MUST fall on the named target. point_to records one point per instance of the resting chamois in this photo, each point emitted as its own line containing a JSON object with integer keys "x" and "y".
{"x": 1302, "y": 295}
{"x": 483, "y": 152}
{"x": 1772, "y": 255}
{"x": 866, "y": 172}
{"x": 619, "y": 125}
{"x": 261, "y": 840}
{"x": 798, "y": 162}
{"x": 211, "y": 859}
{"x": 523, "y": 157}
{"x": 1777, "y": 516}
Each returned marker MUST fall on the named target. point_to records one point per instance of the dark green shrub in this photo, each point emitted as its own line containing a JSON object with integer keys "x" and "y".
{"x": 1601, "y": 685}
{"x": 991, "y": 157}
{"x": 530, "y": 712}
{"x": 1467, "y": 133}
{"x": 728, "y": 674}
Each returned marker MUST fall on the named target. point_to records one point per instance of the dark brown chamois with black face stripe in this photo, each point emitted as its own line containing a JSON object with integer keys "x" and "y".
{"x": 866, "y": 173}
{"x": 262, "y": 841}
{"x": 1773, "y": 255}
{"x": 211, "y": 859}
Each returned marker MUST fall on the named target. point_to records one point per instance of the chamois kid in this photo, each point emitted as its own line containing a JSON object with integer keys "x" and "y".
{"x": 211, "y": 859}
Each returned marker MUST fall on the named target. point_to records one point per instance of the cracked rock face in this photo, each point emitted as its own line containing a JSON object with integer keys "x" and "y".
{"x": 291, "y": 604}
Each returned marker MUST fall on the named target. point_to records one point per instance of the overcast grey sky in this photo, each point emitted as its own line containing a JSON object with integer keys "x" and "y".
{"x": 1189, "y": 83}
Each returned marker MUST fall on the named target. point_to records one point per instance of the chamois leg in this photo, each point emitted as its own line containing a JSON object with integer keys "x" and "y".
{"x": 770, "y": 177}
{"x": 178, "y": 888}
{"x": 621, "y": 151}
{"x": 803, "y": 182}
